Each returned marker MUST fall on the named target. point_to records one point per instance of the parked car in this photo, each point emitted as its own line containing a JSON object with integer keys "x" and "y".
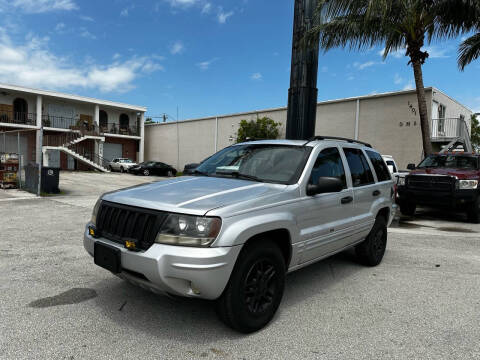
{"x": 397, "y": 174}
{"x": 443, "y": 180}
{"x": 253, "y": 212}
{"x": 189, "y": 169}
{"x": 153, "y": 168}
{"x": 121, "y": 164}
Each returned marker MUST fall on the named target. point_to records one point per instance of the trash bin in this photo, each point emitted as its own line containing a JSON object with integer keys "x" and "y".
{"x": 50, "y": 180}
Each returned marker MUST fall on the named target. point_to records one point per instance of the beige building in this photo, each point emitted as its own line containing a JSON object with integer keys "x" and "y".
{"x": 389, "y": 121}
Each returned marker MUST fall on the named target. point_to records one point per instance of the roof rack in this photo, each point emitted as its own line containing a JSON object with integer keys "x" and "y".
{"x": 338, "y": 138}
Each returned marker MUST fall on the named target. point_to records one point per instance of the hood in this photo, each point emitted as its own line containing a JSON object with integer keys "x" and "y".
{"x": 193, "y": 195}
{"x": 459, "y": 173}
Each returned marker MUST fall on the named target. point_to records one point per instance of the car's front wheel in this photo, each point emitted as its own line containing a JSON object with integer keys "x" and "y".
{"x": 170, "y": 173}
{"x": 255, "y": 289}
{"x": 110, "y": 168}
{"x": 122, "y": 170}
{"x": 370, "y": 252}
{"x": 146, "y": 172}
{"x": 473, "y": 211}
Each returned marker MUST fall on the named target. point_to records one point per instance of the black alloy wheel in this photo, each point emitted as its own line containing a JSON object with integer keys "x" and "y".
{"x": 371, "y": 251}
{"x": 255, "y": 289}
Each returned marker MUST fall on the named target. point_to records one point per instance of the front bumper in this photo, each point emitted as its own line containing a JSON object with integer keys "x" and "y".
{"x": 454, "y": 199}
{"x": 179, "y": 270}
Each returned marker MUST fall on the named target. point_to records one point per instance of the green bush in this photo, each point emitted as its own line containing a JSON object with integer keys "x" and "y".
{"x": 262, "y": 128}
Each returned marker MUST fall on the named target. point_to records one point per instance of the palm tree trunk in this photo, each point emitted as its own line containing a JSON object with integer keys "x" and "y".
{"x": 422, "y": 107}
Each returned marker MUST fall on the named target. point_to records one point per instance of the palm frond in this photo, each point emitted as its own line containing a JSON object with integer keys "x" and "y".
{"x": 469, "y": 50}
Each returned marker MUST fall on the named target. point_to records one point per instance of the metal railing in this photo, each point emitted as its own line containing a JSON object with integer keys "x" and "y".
{"x": 448, "y": 128}
{"x": 15, "y": 117}
{"x": 62, "y": 139}
{"x": 114, "y": 128}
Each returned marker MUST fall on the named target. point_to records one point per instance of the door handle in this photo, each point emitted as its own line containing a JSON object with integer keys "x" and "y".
{"x": 376, "y": 193}
{"x": 346, "y": 200}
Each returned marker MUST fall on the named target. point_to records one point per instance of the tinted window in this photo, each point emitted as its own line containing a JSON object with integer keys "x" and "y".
{"x": 361, "y": 173}
{"x": 329, "y": 163}
{"x": 450, "y": 161}
{"x": 383, "y": 174}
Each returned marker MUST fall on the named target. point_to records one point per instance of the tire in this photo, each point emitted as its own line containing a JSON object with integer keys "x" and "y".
{"x": 370, "y": 252}
{"x": 110, "y": 168}
{"x": 255, "y": 289}
{"x": 146, "y": 172}
{"x": 407, "y": 208}
{"x": 121, "y": 169}
{"x": 170, "y": 173}
{"x": 473, "y": 213}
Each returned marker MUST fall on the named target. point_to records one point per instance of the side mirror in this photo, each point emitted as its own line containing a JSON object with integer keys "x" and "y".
{"x": 325, "y": 185}
{"x": 411, "y": 166}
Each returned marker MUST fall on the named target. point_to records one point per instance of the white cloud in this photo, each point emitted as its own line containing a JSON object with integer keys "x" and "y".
{"x": 397, "y": 79}
{"x": 60, "y": 27}
{"x": 124, "y": 12}
{"x": 205, "y": 65}
{"x": 324, "y": 69}
{"x": 256, "y": 76}
{"x": 86, "y": 18}
{"x": 350, "y": 78}
{"x": 116, "y": 56}
{"x": 435, "y": 52}
{"x": 222, "y": 16}
{"x": 409, "y": 86}
{"x": 177, "y": 48}
{"x": 206, "y": 8}
{"x": 396, "y": 54}
{"x": 87, "y": 34}
{"x": 182, "y": 3}
{"x": 38, "y": 6}
{"x": 33, "y": 64}
{"x": 362, "y": 66}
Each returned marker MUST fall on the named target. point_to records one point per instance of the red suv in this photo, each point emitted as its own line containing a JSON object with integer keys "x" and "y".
{"x": 448, "y": 180}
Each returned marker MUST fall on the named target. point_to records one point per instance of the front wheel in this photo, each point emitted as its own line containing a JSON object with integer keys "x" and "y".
{"x": 110, "y": 168}
{"x": 473, "y": 212}
{"x": 146, "y": 172}
{"x": 122, "y": 170}
{"x": 255, "y": 289}
{"x": 170, "y": 173}
{"x": 370, "y": 252}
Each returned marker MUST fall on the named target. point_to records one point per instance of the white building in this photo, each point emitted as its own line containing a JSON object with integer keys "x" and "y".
{"x": 70, "y": 131}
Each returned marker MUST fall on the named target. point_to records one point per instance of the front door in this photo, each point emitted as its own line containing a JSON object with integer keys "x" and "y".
{"x": 325, "y": 223}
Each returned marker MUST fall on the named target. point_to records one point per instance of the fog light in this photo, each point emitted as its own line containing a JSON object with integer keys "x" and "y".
{"x": 130, "y": 245}
{"x": 92, "y": 231}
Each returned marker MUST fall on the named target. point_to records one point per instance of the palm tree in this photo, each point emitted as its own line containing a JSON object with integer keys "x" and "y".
{"x": 396, "y": 25}
{"x": 469, "y": 50}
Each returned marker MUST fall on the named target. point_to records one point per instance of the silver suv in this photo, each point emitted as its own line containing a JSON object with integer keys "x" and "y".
{"x": 250, "y": 214}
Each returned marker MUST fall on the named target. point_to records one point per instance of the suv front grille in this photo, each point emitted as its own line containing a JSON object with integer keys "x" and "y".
{"x": 433, "y": 183}
{"x": 118, "y": 223}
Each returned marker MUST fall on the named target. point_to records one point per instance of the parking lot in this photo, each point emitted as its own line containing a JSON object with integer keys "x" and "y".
{"x": 421, "y": 302}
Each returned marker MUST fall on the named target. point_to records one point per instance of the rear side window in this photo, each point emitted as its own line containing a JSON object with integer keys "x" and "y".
{"x": 361, "y": 173}
{"x": 328, "y": 163}
{"x": 383, "y": 174}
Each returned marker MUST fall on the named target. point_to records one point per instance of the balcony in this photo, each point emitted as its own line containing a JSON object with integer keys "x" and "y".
{"x": 20, "y": 118}
{"x": 444, "y": 130}
{"x": 114, "y": 128}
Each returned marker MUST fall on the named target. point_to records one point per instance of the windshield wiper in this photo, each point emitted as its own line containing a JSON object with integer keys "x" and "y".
{"x": 239, "y": 175}
{"x": 198, "y": 172}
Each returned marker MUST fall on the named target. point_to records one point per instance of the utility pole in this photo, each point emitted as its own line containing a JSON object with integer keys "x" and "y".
{"x": 302, "y": 95}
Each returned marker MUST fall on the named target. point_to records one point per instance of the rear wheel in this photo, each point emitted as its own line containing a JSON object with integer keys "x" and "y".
{"x": 121, "y": 169}
{"x": 473, "y": 212}
{"x": 146, "y": 172}
{"x": 407, "y": 208}
{"x": 170, "y": 173}
{"x": 110, "y": 168}
{"x": 371, "y": 251}
{"x": 255, "y": 288}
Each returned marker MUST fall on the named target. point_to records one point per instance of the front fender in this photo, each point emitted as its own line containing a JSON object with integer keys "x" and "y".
{"x": 238, "y": 231}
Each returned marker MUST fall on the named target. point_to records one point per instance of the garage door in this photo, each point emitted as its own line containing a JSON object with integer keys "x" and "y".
{"x": 112, "y": 151}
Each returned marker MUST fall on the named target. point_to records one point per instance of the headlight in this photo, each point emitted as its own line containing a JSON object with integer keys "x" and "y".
{"x": 401, "y": 181}
{"x": 188, "y": 230}
{"x": 95, "y": 211}
{"x": 467, "y": 184}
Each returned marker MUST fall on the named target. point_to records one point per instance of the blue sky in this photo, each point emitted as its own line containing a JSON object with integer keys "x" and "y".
{"x": 205, "y": 56}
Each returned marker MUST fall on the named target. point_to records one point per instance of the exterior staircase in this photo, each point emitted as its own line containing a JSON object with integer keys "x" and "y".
{"x": 66, "y": 143}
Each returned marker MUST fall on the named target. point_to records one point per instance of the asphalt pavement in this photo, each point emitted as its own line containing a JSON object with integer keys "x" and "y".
{"x": 421, "y": 302}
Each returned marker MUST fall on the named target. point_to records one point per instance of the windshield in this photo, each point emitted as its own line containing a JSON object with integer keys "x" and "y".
{"x": 125, "y": 161}
{"x": 258, "y": 162}
{"x": 450, "y": 161}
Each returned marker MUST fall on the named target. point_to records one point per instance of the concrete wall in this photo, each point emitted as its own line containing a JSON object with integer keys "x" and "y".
{"x": 390, "y": 122}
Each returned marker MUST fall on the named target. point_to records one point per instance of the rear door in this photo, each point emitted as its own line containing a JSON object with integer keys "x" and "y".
{"x": 364, "y": 190}
{"x": 325, "y": 222}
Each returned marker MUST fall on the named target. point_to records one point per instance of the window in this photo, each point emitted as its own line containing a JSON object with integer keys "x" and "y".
{"x": 392, "y": 164}
{"x": 383, "y": 174}
{"x": 441, "y": 119}
{"x": 20, "y": 110}
{"x": 103, "y": 121}
{"x": 361, "y": 173}
{"x": 329, "y": 163}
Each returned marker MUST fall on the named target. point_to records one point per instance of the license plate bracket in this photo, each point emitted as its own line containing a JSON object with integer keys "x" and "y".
{"x": 107, "y": 256}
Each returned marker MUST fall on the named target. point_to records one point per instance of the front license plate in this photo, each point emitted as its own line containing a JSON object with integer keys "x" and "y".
{"x": 107, "y": 257}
